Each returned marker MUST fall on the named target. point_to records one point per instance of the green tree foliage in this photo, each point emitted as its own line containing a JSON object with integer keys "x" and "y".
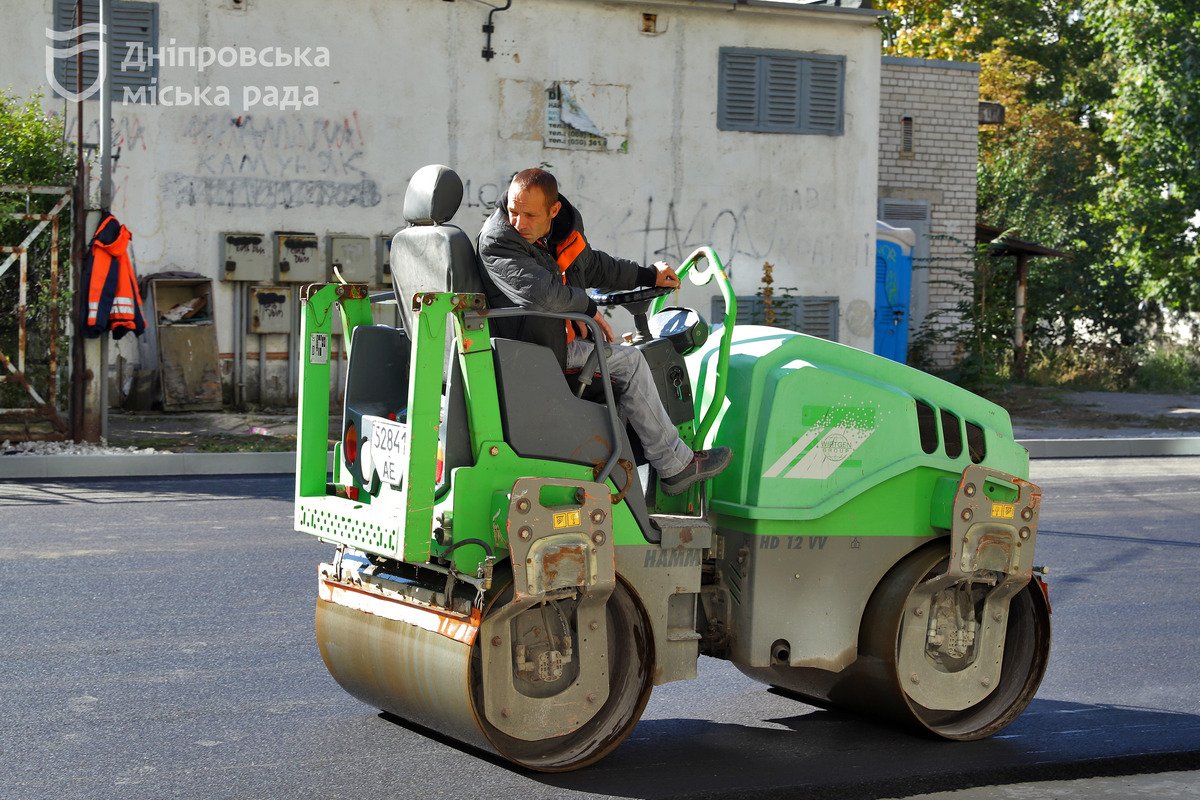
{"x": 1152, "y": 195}
{"x": 1044, "y": 173}
{"x": 32, "y": 149}
{"x": 1038, "y": 178}
{"x": 32, "y": 152}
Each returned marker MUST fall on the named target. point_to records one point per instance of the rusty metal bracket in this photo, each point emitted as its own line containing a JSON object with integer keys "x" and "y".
{"x": 558, "y": 554}
{"x": 991, "y": 544}
{"x": 623, "y": 463}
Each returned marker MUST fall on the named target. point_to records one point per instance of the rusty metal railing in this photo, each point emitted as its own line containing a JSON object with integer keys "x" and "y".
{"x": 45, "y": 408}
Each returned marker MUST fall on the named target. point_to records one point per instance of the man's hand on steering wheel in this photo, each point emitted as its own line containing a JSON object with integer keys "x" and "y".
{"x": 667, "y": 277}
{"x": 584, "y": 332}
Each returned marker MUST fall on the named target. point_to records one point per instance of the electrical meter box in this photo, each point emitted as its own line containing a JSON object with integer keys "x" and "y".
{"x": 270, "y": 309}
{"x": 383, "y": 259}
{"x": 298, "y": 258}
{"x": 246, "y": 257}
{"x": 353, "y": 258}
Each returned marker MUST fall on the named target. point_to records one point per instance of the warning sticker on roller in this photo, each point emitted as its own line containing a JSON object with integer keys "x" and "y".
{"x": 568, "y": 519}
{"x": 318, "y": 348}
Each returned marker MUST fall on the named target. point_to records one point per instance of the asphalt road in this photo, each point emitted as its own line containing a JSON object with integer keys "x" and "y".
{"x": 158, "y": 644}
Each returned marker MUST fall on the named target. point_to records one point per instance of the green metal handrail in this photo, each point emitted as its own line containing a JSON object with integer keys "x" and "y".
{"x": 702, "y": 278}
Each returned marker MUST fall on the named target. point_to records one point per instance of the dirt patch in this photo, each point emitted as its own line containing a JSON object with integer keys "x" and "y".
{"x": 204, "y": 432}
{"x": 1039, "y": 406}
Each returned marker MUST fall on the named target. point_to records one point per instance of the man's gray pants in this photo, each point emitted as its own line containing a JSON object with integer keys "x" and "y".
{"x": 639, "y": 405}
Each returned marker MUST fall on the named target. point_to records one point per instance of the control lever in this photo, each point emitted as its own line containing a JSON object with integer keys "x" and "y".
{"x": 591, "y": 366}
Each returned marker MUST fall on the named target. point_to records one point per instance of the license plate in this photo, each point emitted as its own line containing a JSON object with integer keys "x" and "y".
{"x": 387, "y": 450}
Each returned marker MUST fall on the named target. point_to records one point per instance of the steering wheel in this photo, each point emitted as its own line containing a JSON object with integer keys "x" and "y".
{"x": 621, "y": 297}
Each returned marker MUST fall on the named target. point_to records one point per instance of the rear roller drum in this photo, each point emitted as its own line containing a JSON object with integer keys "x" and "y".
{"x": 630, "y": 660}
{"x": 947, "y": 662}
{"x": 428, "y": 667}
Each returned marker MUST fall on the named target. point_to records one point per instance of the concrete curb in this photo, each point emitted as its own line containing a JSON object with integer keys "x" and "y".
{"x": 160, "y": 465}
{"x": 1112, "y": 448}
{"x": 155, "y": 465}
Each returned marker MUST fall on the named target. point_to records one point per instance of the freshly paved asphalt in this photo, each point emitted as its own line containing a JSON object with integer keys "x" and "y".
{"x": 158, "y": 644}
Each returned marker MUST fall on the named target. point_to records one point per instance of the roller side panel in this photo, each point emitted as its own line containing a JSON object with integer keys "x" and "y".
{"x": 807, "y": 593}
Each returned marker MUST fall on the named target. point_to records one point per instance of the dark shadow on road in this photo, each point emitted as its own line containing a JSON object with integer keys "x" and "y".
{"x": 1123, "y": 539}
{"x": 823, "y": 754}
{"x": 111, "y": 491}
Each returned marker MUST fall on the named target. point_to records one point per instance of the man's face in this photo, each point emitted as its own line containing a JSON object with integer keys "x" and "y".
{"x": 529, "y": 212}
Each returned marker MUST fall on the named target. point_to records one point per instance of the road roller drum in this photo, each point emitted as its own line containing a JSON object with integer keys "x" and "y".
{"x": 550, "y": 669}
{"x": 507, "y": 572}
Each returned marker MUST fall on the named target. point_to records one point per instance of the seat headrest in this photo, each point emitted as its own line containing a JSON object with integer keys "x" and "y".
{"x": 433, "y": 196}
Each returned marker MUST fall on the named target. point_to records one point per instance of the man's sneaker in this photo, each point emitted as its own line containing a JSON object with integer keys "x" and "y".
{"x": 704, "y": 465}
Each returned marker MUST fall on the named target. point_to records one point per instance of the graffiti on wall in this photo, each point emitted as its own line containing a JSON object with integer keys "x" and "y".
{"x": 669, "y": 233}
{"x": 128, "y": 139}
{"x": 747, "y": 232}
{"x": 273, "y": 162}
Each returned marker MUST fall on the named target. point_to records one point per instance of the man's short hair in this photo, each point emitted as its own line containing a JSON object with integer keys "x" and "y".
{"x": 539, "y": 178}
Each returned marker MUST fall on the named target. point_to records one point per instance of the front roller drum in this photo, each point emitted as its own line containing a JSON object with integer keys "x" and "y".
{"x": 427, "y": 666}
{"x": 955, "y": 638}
{"x": 891, "y": 685}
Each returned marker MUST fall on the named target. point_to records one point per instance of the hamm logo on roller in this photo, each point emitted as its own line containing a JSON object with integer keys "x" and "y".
{"x": 825, "y": 446}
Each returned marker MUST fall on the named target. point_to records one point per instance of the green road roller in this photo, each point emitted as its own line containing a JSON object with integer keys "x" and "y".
{"x": 505, "y": 570}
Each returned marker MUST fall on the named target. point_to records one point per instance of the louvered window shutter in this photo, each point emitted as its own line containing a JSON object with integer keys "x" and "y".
{"x": 782, "y": 95}
{"x": 132, "y": 23}
{"x": 818, "y": 317}
{"x": 776, "y": 91}
{"x": 738, "y": 92}
{"x": 823, "y": 100}
{"x": 812, "y": 314}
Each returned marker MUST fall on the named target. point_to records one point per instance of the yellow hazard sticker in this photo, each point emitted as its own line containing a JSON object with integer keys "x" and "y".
{"x": 1002, "y": 510}
{"x": 571, "y": 519}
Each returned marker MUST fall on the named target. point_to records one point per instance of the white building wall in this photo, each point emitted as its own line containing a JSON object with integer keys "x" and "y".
{"x": 407, "y": 87}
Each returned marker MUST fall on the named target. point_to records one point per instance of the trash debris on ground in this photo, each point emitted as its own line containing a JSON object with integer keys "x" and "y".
{"x": 8, "y": 448}
{"x": 189, "y": 310}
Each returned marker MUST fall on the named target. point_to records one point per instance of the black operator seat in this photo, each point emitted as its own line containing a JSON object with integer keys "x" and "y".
{"x": 543, "y": 419}
{"x": 430, "y": 255}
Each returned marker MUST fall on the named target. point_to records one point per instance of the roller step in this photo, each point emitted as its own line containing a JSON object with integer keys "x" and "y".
{"x": 682, "y": 531}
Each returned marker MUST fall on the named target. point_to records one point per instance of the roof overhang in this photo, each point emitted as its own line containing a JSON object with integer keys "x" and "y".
{"x": 1003, "y": 245}
{"x": 848, "y": 10}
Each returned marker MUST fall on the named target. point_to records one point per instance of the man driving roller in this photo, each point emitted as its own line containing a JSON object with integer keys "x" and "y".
{"x": 535, "y": 256}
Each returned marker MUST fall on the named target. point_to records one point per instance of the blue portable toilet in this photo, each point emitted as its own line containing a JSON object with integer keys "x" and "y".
{"x": 893, "y": 285}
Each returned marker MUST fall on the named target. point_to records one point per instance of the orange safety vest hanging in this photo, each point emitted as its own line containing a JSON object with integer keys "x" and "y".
{"x": 565, "y": 254}
{"x": 113, "y": 300}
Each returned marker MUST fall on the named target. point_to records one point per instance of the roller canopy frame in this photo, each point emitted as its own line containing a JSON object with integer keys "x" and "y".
{"x": 397, "y": 521}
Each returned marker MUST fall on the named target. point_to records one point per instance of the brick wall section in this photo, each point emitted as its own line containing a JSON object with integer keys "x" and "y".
{"x": 942, "y": 97}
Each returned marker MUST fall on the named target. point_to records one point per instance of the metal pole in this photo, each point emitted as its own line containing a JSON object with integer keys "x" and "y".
{"x": 238, "y": 345}
{"x": 78, "y": 237}
{"x": 53, "y": 393}
{"x": 1019, "y": 317}
{"x": 105, "y": 110}
{"x": 293, "y": 338}
{"x": 21, "y": 303}
{"x": 262, "y": 369}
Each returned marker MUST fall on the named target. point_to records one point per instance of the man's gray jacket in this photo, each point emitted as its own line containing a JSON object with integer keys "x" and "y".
{"x": 517, "y": 273}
